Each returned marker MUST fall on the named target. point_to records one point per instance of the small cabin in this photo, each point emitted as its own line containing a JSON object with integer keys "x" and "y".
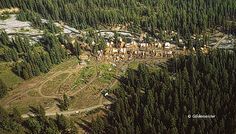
{"x": 167, "y": 45}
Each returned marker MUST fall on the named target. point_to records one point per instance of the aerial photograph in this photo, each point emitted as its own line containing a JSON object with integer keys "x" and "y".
{"x": 117, "y": 66}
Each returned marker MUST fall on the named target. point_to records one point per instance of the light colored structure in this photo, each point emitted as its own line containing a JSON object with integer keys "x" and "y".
{"x": 123, "y": 50}
{"x": 143, "y": 44}
{"x": 114, "y": 50}
{"x": 167, "y": 45}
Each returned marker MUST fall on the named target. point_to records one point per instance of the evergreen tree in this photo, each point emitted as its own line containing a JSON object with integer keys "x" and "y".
{"x": 3, "y": 89}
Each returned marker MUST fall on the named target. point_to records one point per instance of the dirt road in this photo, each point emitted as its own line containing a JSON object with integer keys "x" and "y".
{"x": 69, "y": 112}
{"x": 218, "y": 43}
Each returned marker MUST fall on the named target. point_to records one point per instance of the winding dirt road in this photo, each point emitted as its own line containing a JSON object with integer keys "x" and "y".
{"x": 100, "y": 104}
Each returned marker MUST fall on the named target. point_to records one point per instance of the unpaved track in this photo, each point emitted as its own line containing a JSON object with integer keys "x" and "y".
{"x": 218, "y": 43}
{"x": 101, "y": 103}
{"x": 70, "y": 112}
{"x": 112, "y": 83}
{"x": 125, "y": 65}
{"x": 34, "y": 85}
{"x": 82, "y": 88}
{"x": 69, "y": 72}
{"x": 54, "y": 107}
{"x": 71, "y": 93}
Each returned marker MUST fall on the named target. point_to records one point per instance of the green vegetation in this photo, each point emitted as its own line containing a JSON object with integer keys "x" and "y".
{"x": 84, "y": 76}
{"x": 77, "y": 50}
{"x": 72, "y": 62}
{"x": 185, "y": 16}
{"x": 7, "y": 76}
{"x": 64, "y": 103}
{"x": 32, "y": 59}
{"x": 28, "y": 60}
{"x": 134, "y": 65}
{"x": 52, "y": 86}
{"x": 36, "y": 21}
{"x": 10, "y": 122}
{"x": 13, "y": 123}
{"x": 154, "y": 102}
{"x": 19, "y": 57}
{"x": 88, "y": 97}
{"x": 10, "y": 78}
{"x": 106, "y": 72}
{"x": 4, "y": 16}
{"x": 148, "y": 99}
{"x": 24, "y": 30}
{"x": 33, "y": 93}
{"x": 3, "y": 89}
{"x": 28, "y": 100}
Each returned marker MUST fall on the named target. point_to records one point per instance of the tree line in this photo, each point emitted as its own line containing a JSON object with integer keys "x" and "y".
{"x": 30, "y": 58}
{"x": 151, "y": 100}
{"x": 159, "y": 101}
{"x": 12, "y": 123}
{"x": 184, "y": 16}
{"x": 37, "y": 21}
{"x": 33, "y": 58}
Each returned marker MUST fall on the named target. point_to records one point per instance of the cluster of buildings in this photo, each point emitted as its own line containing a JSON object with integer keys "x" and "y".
{"x": 126, "y": 47}
{"x": 135, "y": 49}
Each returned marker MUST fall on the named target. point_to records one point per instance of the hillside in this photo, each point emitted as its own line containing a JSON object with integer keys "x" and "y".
{"x": 185, "y": 16}
{"x": 118, "y": 66}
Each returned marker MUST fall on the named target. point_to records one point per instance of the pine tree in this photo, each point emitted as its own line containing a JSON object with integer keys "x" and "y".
{"x": 3, "y": 89}
{"x": 77, "y": 50}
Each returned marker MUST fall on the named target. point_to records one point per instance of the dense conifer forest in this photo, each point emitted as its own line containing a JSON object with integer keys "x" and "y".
{"x": 31, "y": 58}
{"x": 12, "y": 123}
{"x": 150, "y": 99}
{"x": 36, "y": 21}
{"x": 184, "y": 16}
{"x": 160, "y": 101}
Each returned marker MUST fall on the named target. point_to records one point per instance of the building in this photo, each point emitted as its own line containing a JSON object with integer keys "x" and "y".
{"x": 167, "y": 45}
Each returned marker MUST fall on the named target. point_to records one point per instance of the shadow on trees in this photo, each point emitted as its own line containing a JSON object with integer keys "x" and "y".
{"x": 85, "y": 125}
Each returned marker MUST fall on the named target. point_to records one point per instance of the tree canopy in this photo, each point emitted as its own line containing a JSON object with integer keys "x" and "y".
{"x": 185, "y": 16}
{"x": 160, "y": 101}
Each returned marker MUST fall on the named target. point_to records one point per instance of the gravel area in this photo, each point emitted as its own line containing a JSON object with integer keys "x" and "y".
{"x": 11, "y": 25}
